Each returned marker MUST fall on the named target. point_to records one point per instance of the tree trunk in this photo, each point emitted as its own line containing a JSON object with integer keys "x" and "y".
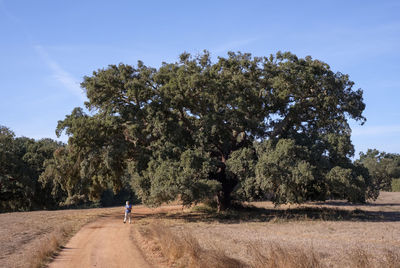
{"x": 223, "y": 201}
{"x": 224, "y": 196}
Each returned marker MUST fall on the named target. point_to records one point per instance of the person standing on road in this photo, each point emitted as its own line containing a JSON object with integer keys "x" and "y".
{"x": 128, "y": 210}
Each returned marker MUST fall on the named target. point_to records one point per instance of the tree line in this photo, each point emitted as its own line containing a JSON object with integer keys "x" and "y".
{"x": 240, "y": 129}
{"x": 23, "y": 185}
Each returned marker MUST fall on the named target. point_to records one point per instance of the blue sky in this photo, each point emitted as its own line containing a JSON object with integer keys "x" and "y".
{"x": 46, "y": 47}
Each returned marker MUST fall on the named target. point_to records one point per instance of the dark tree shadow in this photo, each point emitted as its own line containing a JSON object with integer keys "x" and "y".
{"x": 256, "y": 214}
{"x": 347, "y": 204}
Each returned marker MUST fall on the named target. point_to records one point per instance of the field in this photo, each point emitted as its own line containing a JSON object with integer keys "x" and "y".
{"x": 330, "y": 234}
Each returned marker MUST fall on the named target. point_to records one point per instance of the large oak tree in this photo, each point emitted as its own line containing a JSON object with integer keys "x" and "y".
{"x": 242, "y": 127}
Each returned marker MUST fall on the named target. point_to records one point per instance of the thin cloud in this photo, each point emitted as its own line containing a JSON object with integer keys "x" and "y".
{"x": 62, "y": 76}
{"x": 376, "y": 130}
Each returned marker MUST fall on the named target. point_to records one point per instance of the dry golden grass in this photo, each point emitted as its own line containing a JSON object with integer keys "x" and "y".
{"x": 181, "y": 249}
{"x": 359, "y": 258}
{"x": 276, "y": 256}
{"x": 331, "y": 234}
{"x": 30, "y": 239}
{"x": 184, "y": 250}
{"x": 45, "y": 250}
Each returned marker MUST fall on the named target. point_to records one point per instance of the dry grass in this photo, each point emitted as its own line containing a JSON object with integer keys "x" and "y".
{"x": 47, "y": 248}
{"x": 30, "y": 239}
{"x": 184, "y": 250}
{"x": 331, "y": 234}
{"x": 359, "y": 258}
{"x": 276, "y": 256}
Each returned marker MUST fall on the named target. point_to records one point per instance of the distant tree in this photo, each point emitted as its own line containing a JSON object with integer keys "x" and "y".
{"x": 11, "y": 189}
{"x": 383, "y": 168}
{"x": 238, "y": 128}
{"x": 21, "y": 163}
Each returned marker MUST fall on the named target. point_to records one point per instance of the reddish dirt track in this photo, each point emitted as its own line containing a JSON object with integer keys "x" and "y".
{"x": 104, "y": 243}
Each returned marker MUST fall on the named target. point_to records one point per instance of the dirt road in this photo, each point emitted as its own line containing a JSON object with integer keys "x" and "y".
{"x": 103, "y": 243}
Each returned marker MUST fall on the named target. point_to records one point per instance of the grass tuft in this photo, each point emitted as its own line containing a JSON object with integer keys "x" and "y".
{"x": 46, "y": 249}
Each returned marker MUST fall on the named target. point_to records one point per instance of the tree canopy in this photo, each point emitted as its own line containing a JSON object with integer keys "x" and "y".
{"x": 21, "y": 163}
{"x": 383, "y": 168}
{"x": 242, "y": 127}
{"x": 45, "y": 174}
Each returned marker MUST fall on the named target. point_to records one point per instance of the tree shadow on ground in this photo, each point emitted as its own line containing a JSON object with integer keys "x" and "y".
{"x": 256, "y": 214}
{"x": 347, "y": 204}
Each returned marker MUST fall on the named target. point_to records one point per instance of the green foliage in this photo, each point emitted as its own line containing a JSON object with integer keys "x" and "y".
{"x": 62, "y": 175}
{"x": 21, "y": 163}
{"x": 283, "y": 171}
{"x": 290, "y": 174}
{"x": 165, "y": 179}
{"x": 93, "y": 161}
{"x": 242, "y": 127}
{"x": 346, "y": 183}
{"x": 383, "y": 168}
{"x": 242, "y": 164}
